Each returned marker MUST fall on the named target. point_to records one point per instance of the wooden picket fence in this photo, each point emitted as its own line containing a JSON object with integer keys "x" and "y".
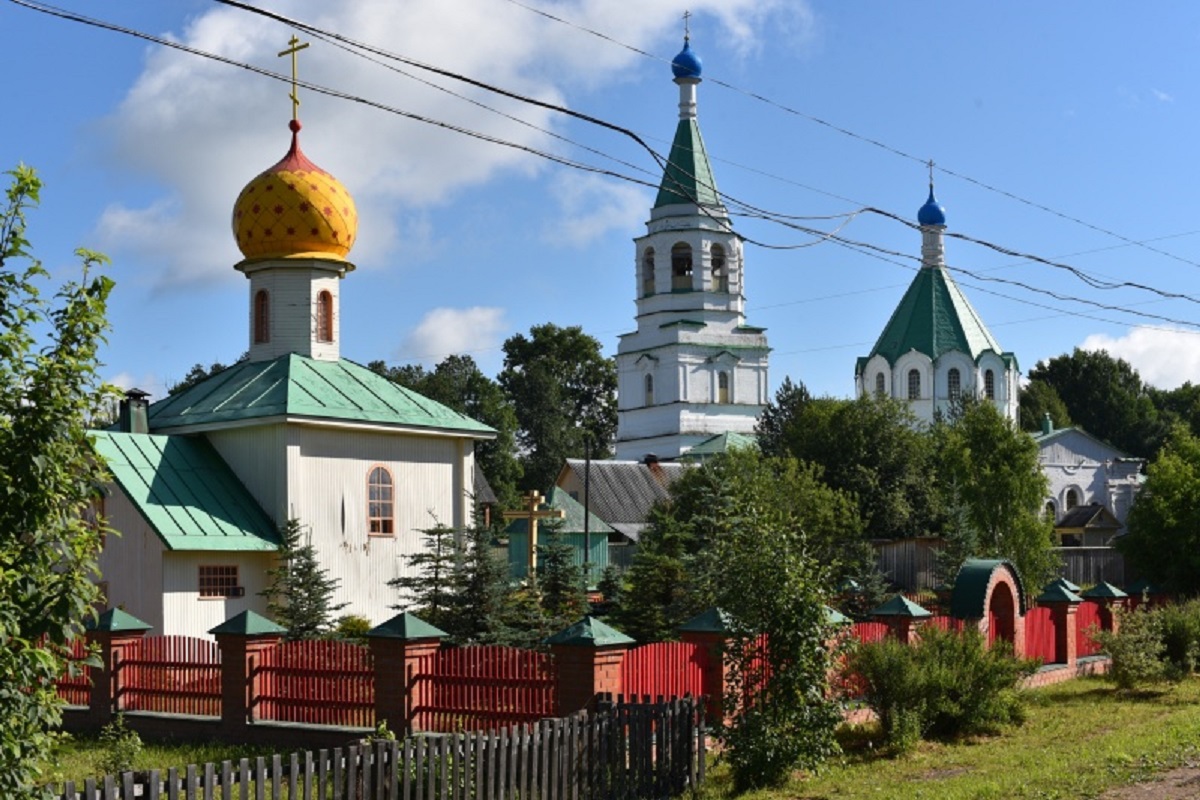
{"x": 622, "y": 751}
{"x": 481, "y": 686}
{"x": 171, "y": 675}
{"x": 317, "y": 682}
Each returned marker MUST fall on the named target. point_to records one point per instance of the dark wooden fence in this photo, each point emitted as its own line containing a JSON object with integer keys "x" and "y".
{"x": 620, "y": 751}
{"x": 1088, "y": 566}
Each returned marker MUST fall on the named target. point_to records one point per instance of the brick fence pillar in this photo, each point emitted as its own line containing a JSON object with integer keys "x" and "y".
{"x": 1112, "y": 601}
{"x": 243, "y": 639}
{"x": 587, "y": 661}
{"x": 397, "y": 649}
{"x": 116, "y": 633}
{"x": 707, "y": 630}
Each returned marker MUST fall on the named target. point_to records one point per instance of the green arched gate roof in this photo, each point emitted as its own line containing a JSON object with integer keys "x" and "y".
{"x": 970, "y": 587}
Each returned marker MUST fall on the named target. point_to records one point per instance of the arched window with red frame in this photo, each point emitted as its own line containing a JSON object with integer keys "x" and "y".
{"x": 381, "y": 503}
{"x": 262, "y": 316}
{"x": 325, "y": 316}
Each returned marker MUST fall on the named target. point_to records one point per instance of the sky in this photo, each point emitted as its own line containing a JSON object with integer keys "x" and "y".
{"x": 1064, "y": 132}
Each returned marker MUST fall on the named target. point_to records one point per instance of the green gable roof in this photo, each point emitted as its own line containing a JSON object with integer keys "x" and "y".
{"x": 296, "y": 386}
{"x": 571, "y": 523}
{"x": 688, "y": 177}
{"x": 188, "y": 495}
{"x": 934, "y": 317}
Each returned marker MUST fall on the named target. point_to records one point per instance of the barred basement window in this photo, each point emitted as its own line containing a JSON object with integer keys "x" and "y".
{"x": 219, "y": 581}
{"x": 381, "y": 503}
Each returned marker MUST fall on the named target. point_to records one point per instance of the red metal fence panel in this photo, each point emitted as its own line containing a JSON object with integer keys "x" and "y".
{"x": 1086, "y": 617}
{"x": 484, "y": 686}
{"x": 75, "y": 685}
{"x": 664, "y": 669}
{"x": 1039, "y": 634}
{"x": 171, "y": 675}
{"x": 867, "y": 632}
{"x": 317, "y": 682}
{"x": 946, "y": 623}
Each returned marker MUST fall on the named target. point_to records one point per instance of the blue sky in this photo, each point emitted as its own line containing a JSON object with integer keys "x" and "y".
{"x": 1089, "y": 111}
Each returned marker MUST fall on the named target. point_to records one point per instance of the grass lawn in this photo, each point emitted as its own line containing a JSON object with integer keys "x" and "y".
{"x": 1080, "y": 738}
{"x": 78, "y": 757}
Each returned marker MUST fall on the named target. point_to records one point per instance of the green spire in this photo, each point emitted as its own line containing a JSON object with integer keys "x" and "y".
{"x": 688, "y": 177}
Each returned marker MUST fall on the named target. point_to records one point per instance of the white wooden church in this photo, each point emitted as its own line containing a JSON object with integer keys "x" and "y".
{"x": 202, "y": 480}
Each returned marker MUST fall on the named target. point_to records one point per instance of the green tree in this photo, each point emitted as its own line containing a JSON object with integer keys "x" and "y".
{"x": 429, "y": 588}
{"x": 49, "y": 387}
{"x": 1106, "y": 397}
{"x": 564, "y": 598}
{"x": 995, "y": 471}
{"x": 788, "y": 405}
{"x": 1163, "y": 541}
{"x": 1037, "y": 399}
{"x": 299, "y": 590}
{"x": 565, "y": 394}
{"x": 480, "y": 587}
{"x": 199, "y": 373}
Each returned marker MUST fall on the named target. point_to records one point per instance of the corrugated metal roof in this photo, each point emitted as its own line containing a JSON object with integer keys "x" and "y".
{"x": 572, "y": 522}
{"x": 297, "y": 386}
{"x": 688, "y": 177}
{"x": 622, "y": 492}
{"x": 188, "y": 495}
{"x": 1093, "y": 516}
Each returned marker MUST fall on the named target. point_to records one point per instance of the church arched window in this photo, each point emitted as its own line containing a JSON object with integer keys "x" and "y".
{"x": 324, "y": 316}
{"x": 381, "y": 503}
{"x": 914, "y": 384}
{"x": 1049, "y": 514}
{"x": 880, "y": 384}
{"x": 648, "y": 272}
{"x": 649, "y": 390}
{"x": 720, "y": 270}
{"x": 262, "y": 316}
{"x": 989, "y": 385}
{"x": 954, "y": 383}
{"x": 681, "y": 266}
{"x": 722, "y": 387}
{"x": 1072, "y": 499}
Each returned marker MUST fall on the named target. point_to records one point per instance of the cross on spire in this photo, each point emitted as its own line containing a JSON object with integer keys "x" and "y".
{"x": 931, "y": 174}
{"x": 294, "y": 46}
{"x": 687, "y": 31}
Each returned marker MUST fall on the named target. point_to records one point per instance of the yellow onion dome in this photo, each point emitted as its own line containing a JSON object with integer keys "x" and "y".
{"x": 295, "y": 210}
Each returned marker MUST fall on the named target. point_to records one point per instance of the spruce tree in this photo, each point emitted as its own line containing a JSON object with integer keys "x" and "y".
{"x": 564, "y": 598}
{"x": 480, "y": 585}
{"x": 429, "y": 589}
{"x": 299, "y": 590}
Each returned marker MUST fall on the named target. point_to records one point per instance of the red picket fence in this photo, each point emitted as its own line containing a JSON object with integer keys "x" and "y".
{"x": 946, "y": 623}
{"x": 317, "y": 682}
{"x": 171, "y": 675}
{"x": 664, "y": 669}
{"x": 1039, "y": 634}
{"x": 75, "y": 686}
{"x": 1087, "y": 616}
{"x": 867, "y": 632}
{"x": 479, "y": 687}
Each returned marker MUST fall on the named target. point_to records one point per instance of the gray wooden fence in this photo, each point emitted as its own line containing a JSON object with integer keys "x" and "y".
{"x": 621, "y": 750}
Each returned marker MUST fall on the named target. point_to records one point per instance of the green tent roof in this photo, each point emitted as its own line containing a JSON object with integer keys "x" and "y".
{"x": 1103, "y": 591}
{"x": 188, "y": 495}
{"x": 589, "y": 632}
{"x": 248, "y": 623}
{"x": 296, "y": 386}
{"x": 900, "y": 606}
{"x": 688, "y": 177}
{"x": 571, "y": 523}
{"x": 934, "y": 317}
{"x": 116, "y": 620}
{"x": 1057, "y": 593}
{"x": 405, "y": 626}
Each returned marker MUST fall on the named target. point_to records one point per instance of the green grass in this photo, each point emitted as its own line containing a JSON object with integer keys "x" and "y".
{"x": 77, "y": 757}
{"x": 1079, "y": 739}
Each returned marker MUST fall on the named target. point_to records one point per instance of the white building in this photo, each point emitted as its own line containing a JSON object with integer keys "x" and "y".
{"x": 936, "y": 347}
{"x": 204, "y": 479}
{"x": 693, "y": 368}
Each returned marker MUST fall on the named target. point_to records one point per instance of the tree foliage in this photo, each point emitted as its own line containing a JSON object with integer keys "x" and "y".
{"x": 49, "y": 476}
{"x": 299, "y": 590}
{"x": 430, "y": 587}
{"x": 1163, "y": 541}
{"x": 1037, "y": 399}
{"x": 565, "y": 394}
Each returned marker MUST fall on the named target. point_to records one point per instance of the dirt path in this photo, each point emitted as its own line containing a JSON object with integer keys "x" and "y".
{"x": 1182, "y": 783}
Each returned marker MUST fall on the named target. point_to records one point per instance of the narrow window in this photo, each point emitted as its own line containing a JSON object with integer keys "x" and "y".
{"x": 262, "y": 317}
{"x": 1072, "y": 499}
{"x": 648, "y": 272}
{"x": 880, "y": 384}
{"x": 1049, "y": 512}
{"x": 380, "y": 503}
{"x": 720, "y": 272}
{"x": 324, "y": 316}
{"x": 219, "y": 581}
{"x": 914, "y": 385}
{"x": 989, "y": 385}
{"x": 681, "y": 266}
{"x": 649, "y": 390}
{"x": 954, "y": 383}
{"x": 722, "y": 387}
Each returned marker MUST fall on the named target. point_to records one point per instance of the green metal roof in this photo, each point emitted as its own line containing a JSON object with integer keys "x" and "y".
{"x": 970, "y": 587}
{"x": 1103, "y": 591}
{"x": 1064, "y": 583}
{"x": 688, "y": 177}
{"x": 1057, "y": 593}
{"x": 711, "y": 620}
{"x": 571, "y": 523}
{"x": 405, "y": 626}
{"x": 934, "y": 317}
{"x": 589, "y": 632}
{"x": 900, "y": 606}
{"x": 248, "y": 623}
{"x": 296, "y": 386}
{"x": 188, "y": 495}
{"x": 720, "y": 443}
{"x": 116, "y": 620}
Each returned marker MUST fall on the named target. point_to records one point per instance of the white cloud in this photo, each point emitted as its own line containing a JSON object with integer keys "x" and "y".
{"x": 593, "y": 206}
{"x": 1164, "y": 358}
{"x": 449, "y": 331}
{"x": 149, "y": 382}
{"x": 1162, "y": 96}
{"x": 199, "y": 130}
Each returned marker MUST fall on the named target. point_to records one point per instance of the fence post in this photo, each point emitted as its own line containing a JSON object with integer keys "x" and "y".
{"x": 243, "y": 639}
{"x": 115, "y": 632}
{"x": 901, "y": 615}
{"x": 397, "y": 649}
{"x": 707, "y": 630}
{"x": 587, "y": 661}
{"x": 1111, "y": 600}
{"x": 1063, "y": 605}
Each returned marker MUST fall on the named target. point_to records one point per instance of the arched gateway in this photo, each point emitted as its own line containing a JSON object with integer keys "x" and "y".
{"x": 989, "y": 594}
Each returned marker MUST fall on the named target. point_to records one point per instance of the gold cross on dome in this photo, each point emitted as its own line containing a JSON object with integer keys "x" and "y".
{"x": 295, "y": 46}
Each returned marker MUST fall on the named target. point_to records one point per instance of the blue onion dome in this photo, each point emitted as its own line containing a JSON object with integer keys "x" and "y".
{"x": 687, "y": 63}
{"x": 931, "y": 213}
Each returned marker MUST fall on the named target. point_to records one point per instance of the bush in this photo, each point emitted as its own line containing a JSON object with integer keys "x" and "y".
{"x": 352, "y": 628}
{"x": 120, "y": 747}
{"x": 892, "y": 689}
{"x": 1137, "y": 650}
{"x": 1180, "y": 631}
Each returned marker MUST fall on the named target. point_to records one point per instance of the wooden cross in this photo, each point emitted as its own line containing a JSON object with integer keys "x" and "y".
{"x": 533, "y": 512}
{"x": 295, "y": 46}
